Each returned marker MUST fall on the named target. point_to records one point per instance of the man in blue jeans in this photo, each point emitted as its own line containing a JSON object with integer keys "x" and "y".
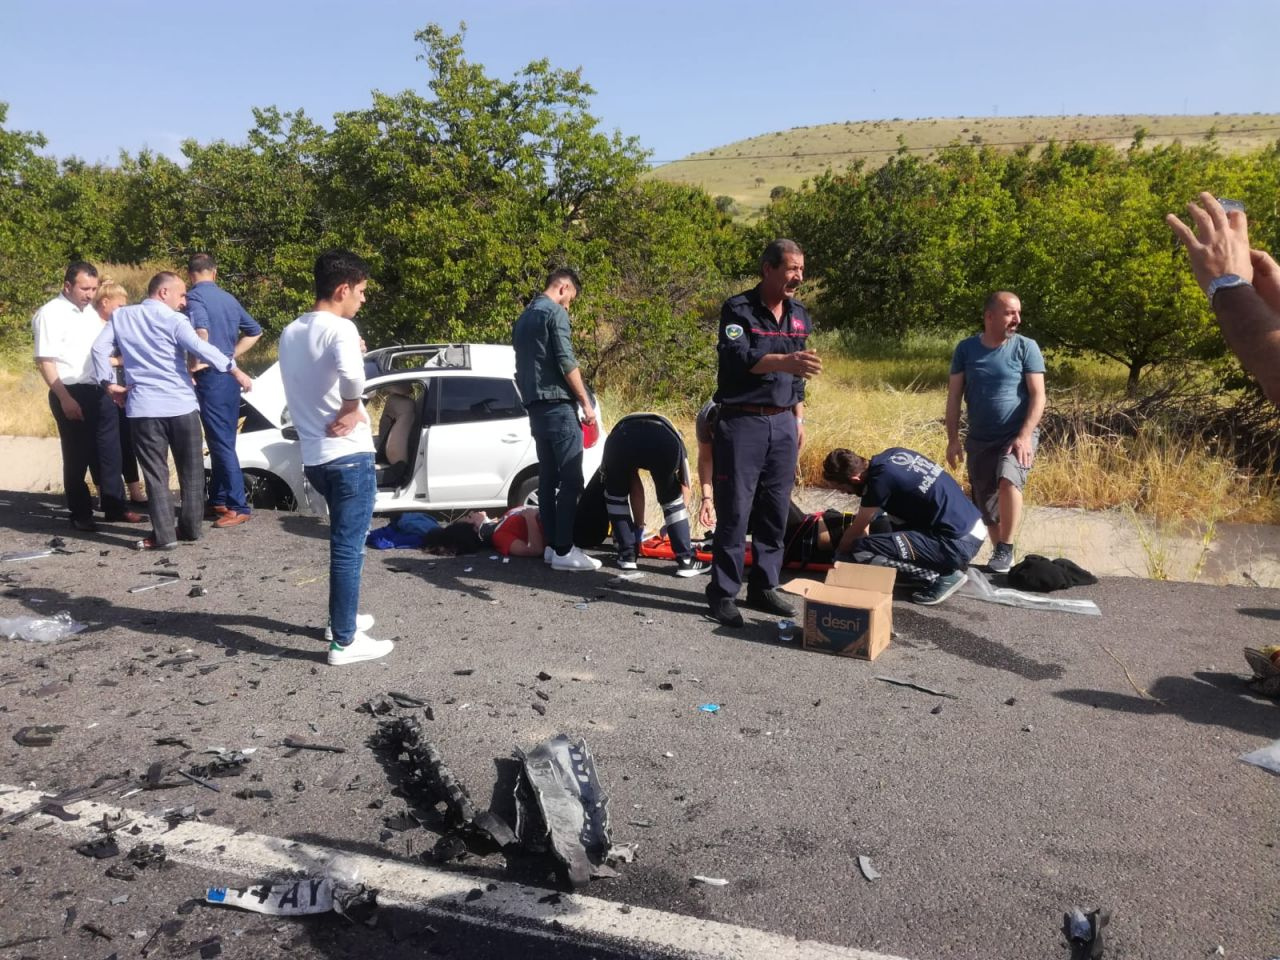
{"x": 550, "y": 382}
{"x": 322, "y": 367}
{"x": 219, "y": 319}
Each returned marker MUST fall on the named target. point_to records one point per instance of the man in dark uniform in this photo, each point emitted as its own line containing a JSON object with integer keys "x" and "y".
{"x": 648, "y": 441}
{"x": 760, "y": 389}
{"x": 937, "y": 531}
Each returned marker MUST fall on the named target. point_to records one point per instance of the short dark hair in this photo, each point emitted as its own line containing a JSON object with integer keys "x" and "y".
{"x": 775, "y": 251}
{"x": 161, "y": 279}
{"x": 841, "y": 465}
{"x": 77, "y": 267}
{"x": 336, "y": 267}
{"x": 993, "y": 299}
{"x": 561, "y": 274}
{"x": 201, "y": 263}
{"x": 457, "y": 537}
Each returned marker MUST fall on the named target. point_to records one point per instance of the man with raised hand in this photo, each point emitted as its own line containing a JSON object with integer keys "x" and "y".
{"x": 760, "y": 387}
{"x": 1243, "y": 286}
{"x": 322, "y": 366}
{"x": 153, "y": 340}
{"x": 88, "y": 422}
{"x": 552, "y": 389}
{"x": 219, "y": 318}
{"x": 1000, "y": 375}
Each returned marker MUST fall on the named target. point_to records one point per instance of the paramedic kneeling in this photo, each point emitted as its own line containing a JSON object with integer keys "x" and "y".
{"x": 938, "y": 532}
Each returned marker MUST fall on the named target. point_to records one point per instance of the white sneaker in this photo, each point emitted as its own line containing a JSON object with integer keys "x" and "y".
{"x": 547, "y": 554}
{"x": 364, "y": 621}
{"x": 574, "y": 560}
{"x": 363, "y": 647}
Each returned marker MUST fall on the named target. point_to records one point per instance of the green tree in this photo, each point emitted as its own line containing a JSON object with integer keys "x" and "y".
{"x": 30, "y": 254}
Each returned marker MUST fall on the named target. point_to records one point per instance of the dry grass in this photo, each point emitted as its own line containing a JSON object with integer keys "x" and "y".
{"x": 886, "y": 399}
{"x": 24, "y": 402}
{"x": 748, "y": 169}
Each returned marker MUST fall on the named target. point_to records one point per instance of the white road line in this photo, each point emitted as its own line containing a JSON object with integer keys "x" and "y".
{"x": 511, "y": 907}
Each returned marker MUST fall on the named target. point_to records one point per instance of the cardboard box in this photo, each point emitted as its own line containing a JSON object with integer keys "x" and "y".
{"x": 849, "y": 614}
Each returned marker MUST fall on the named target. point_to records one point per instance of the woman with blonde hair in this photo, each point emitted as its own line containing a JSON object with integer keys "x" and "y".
{"x": 112, "y": 294}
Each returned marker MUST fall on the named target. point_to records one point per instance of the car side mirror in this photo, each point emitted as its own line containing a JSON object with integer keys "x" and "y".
{"x": 289, "y": 433}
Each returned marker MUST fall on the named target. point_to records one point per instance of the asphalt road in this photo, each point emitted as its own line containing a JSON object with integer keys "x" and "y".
{"x": 1049, "y": 782}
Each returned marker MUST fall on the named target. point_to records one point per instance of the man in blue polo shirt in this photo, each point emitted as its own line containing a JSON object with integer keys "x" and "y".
{"x": 219, "y": 319}
{"x": 937, "y": 530}
{"x": 1000, "y": 375}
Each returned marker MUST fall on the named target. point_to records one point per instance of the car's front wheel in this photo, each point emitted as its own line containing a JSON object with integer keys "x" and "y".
{"x": 524, "y": 493}
{"x": 266, "y": 491}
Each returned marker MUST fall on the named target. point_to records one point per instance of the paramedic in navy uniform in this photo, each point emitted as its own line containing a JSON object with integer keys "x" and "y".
{"x": 760, "y": 389}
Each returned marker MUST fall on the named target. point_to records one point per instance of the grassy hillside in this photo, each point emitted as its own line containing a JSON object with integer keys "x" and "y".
{"x": 749, "y": 169}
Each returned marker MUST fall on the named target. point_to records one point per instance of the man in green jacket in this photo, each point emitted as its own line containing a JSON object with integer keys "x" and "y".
{"x": 550, "y": 382}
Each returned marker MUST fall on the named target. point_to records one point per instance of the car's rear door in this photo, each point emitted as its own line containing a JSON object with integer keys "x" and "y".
{"x": 479, "y": 440}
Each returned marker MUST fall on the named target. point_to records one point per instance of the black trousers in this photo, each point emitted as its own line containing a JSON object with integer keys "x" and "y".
{"x": 153, "y": 438}
{"x": 91, "y": 444}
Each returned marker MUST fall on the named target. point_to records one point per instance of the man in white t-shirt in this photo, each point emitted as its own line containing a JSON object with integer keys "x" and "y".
{"x": 322, "y": 367}
{"x": 88, "y": 425}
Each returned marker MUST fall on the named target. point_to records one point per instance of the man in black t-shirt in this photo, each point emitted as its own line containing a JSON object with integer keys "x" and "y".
{"x": 938, "y": 529}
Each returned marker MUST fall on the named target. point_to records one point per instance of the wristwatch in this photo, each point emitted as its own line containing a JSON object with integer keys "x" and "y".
{"x": 1224, "y": 282}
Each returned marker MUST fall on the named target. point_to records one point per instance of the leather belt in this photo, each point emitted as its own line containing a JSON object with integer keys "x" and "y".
{"x": 756, "y": 409}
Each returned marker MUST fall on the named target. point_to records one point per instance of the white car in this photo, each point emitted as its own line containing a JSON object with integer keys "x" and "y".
{"x": 472, "y": 447}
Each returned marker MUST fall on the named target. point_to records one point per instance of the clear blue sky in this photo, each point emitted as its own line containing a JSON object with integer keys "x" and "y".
{"x": 98, "y": 77}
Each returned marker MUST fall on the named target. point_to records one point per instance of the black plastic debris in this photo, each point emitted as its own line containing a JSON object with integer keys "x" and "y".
{"x": 59, "y": 811}
{"x": 197, "y": 591}
{"x": 405, "y": 700}
{"x": 402, "y": 821}
{"x": 539, "y": 709}
{"x": 228, "y": 764}
{"x": 145, "y": 855}
{"x": 449, "y": 847}
{"x": 294, "y": 743}
{"x": 377, "y": 707}
{"x": 466, "y": 672}
{"x": 38, "y": 736}
{"x": 559, "y": 800}
{"x": 172, "y": 742}
{"x": 248, "y": 794}
{"x": 102, "y": 848}
{"x": 210, "y": 948}
{"x": 429, "y": 778}
{"x": 543, "y": 675}
{"x": 122, "y": 871}
{"x": 1084, "y": 932}
{"x": 916, "y": 686}
{"x": 542, "y": 695}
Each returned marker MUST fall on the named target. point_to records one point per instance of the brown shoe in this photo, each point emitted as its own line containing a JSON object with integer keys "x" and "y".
{"x": 127, "y": 517}
{"x": 213, "y": 512}
{"x": 230, "y": 519}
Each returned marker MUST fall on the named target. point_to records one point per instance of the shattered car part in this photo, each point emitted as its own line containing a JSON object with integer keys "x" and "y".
{"x": 560, "y": 777}
{"x": 710, "y": 881}
{"x": 1084, "y": 932}
{"x": 428, "y": 775}
{"x": 40, "y": 629}
{"x": 102, "y": 848}
{"x": 868, "y": 871}
{"x": 38, "y": 736}
{"x": 300, "y": 898}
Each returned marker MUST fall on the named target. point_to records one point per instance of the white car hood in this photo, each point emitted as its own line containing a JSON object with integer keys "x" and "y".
{"x": 267, "y": 395}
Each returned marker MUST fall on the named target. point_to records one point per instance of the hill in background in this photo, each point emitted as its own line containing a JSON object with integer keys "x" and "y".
{"x": 749, "y": 169}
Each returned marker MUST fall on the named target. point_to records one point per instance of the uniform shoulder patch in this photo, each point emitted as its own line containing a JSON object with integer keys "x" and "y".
{"x": 733, "y": 331}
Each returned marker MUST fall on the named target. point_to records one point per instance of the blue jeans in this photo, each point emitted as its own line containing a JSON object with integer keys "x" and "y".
{"x": 557, "y": 436}
{"x": 219, "y": 396}
{"x": 348, "y": 487}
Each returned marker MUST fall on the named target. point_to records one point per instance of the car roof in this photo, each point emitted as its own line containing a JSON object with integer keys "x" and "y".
{"x": 489, "y": 359}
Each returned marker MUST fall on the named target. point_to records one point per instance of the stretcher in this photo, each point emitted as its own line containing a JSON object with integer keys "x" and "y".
{"x": 659, "y": 548}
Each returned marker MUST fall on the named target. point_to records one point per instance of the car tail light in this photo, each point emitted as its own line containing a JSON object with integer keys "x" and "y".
{"x": 590, "y": 434}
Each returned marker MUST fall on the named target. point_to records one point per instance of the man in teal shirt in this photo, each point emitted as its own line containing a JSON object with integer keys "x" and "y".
{"x": 550, "y": 382}
{"x": 1000, "y": 375}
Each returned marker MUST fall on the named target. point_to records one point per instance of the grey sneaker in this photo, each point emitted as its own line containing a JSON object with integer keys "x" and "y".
{"x": 1001, "y": 558}
{"x": 547, "y": 554}
{"x": 940, "y": 589}
{"x": 626, "y": 561}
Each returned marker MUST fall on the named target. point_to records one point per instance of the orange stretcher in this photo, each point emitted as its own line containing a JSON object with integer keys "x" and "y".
{"x": 659, "y": 548}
